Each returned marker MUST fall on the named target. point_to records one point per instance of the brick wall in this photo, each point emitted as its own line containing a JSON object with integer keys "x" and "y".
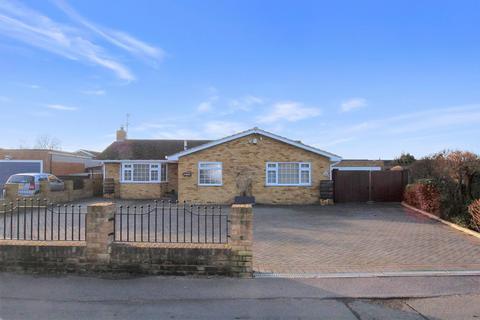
{"x": 142, "y": 190}
{"x": 112, "y": 170}
{"x": 42, "y": 257}
{"x": 175, "y": 259}
{"x": 172, "y": 176}
{"x": 241, "y": 156}
{"x": 66, "y": 168}
{"x": 100, "y": 254}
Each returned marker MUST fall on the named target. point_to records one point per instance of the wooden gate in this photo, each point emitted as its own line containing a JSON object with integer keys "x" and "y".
{"x": 363, "y": 186}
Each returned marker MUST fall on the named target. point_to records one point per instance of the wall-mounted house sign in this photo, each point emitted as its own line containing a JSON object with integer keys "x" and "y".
{"x": 187, "y": 174}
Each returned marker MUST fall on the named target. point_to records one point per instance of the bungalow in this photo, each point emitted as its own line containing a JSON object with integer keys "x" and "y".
{"x": 274, "y": 169}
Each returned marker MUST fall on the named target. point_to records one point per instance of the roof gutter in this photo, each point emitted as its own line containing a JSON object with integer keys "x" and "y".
{"x": 138, "y": 161}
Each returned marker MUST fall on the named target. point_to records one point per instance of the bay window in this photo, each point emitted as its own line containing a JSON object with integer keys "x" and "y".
{"x": 144, "y": 172}
{"x": 288, "y": 174}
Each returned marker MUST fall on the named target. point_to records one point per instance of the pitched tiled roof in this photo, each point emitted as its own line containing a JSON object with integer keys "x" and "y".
{"x": 146, "y": 149}
{"x": 255, "y": 130}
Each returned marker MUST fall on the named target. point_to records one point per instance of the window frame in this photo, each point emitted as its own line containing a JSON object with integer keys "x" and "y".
{"x": 210, "y": 184}
{"x": 129, "y": 166}
{"x": 300, "y": 170}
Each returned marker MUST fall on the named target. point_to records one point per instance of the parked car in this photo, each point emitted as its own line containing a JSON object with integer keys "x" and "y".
{"x": 29, "y": 183}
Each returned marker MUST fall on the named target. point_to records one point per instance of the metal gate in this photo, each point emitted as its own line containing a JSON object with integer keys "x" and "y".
{"x": 363, "y": 186}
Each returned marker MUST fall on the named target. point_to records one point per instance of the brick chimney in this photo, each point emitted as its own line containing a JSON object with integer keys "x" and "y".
{"x": 121, "y": 134}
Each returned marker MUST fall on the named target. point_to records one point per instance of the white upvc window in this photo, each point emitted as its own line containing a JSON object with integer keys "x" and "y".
{"x": 144, "y": 172}
{"x": 210, "y": 173}
{"x": 288, "y": 174}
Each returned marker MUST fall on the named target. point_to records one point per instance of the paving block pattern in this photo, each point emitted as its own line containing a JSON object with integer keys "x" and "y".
{"x": 357, "y": 238}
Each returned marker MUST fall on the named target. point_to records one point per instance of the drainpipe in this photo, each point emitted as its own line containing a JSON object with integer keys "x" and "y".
{"x": 331, "y": 167}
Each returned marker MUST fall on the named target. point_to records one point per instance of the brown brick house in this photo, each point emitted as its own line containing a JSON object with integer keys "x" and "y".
{"x": 272, "y": 168}
{"x": 52, "y": 161}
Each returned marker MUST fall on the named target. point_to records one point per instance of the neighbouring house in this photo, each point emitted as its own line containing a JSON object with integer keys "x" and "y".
{"x": 365, "y": 165}
{"x": 59, "y": 163}
{"x": 274, "y": 169}
{"x": 87, "y": 153}
{"x": 360, "y": 165}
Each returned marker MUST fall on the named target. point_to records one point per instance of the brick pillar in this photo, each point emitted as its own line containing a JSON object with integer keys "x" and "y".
{"x": 99, "y": 232}
{"x": 241, "y": 239}
{"x": 44, "y": 187}
{"x": 68, "y": 189}
{"x": 11, "y": 192}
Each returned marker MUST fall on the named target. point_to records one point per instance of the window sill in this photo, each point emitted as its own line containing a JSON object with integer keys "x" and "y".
{"x": 210, "y": 185}
{"x": 288, "y": 185}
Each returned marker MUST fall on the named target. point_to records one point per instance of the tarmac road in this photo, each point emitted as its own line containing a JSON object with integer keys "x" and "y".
{"x": 73, "y": 297}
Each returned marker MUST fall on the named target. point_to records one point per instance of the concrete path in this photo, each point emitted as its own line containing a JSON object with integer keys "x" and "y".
{"x": 351, "y": 238}
{"x": 72, "y": 297}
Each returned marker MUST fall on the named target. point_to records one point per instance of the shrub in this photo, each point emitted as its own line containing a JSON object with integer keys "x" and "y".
{"x": 424, "y": 195}
{"x": 405, "y": 159}
{"x": 474, "y": 210}
{"x": 410, "y": 195}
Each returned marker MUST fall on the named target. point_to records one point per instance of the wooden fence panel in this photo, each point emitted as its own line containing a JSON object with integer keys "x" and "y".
{"x": 351, "y": 186}
{"x": 363, "y": 186}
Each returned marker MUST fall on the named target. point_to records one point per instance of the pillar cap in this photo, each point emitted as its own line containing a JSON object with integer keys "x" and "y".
{"x": 101, "y": 204}
{"x": 241, "y": 205}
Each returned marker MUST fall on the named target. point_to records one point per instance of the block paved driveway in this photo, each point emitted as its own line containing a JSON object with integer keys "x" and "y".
{"x": 357, "y": 238}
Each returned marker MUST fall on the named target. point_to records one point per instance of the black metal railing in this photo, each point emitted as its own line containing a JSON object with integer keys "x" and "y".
{"x": 171, "y": 222}
{"x": 39, "y": 220}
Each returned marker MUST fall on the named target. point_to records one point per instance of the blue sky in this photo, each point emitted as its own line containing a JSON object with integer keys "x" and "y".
{"x": 363, "y": 79}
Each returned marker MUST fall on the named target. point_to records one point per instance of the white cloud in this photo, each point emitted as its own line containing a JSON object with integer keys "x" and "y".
{"x": 421, "y": 120}
{"x": 337, "y": 141}
{"x": 178, "y": 134}
{"x": 219, "y": 129}
{"x": 117, "y": 38}
{"x": 207, "y": 105}
{"x": 152, "y": 126}
{"x": 405, "y": 126}
{"x": 245, "y": 103}
{"x": 289, "y": 111}
{"x": 353, "y": 103}
{"x": 94, "y": 92}
{"x": 33, "y": 28}
{"x": 61, "y": 107}
{"x": 437, "y": 120}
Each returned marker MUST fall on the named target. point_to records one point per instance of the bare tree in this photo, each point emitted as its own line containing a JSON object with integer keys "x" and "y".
{"x": 48, "y": 142}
